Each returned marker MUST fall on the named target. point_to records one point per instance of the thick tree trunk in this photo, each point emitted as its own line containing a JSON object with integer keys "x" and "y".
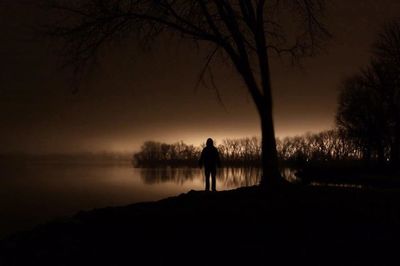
{"x": 269, "y": 156}
{"x": 271, "y": 175}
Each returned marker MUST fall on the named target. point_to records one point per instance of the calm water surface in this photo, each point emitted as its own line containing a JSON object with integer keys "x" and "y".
{"x": 35, "y": 193}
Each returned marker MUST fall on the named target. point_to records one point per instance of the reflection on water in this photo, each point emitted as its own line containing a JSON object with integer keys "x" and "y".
{"x": 290, "y": 175}
{"x": 319, "y": 184}
{"x": 227, "y": 178}
{"x": 167, "y": 174}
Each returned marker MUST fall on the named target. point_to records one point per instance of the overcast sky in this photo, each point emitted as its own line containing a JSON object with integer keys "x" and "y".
{"x": 134, "y": 95}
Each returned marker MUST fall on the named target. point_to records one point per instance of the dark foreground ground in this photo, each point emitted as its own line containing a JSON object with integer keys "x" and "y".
{"x": 295, "y": 225}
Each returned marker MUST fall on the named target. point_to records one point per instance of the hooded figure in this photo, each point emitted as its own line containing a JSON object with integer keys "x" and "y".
{"x": 210, "y": 160}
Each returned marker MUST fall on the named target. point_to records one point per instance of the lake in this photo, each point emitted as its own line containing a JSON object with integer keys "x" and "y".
{"x": 34, "y": 193}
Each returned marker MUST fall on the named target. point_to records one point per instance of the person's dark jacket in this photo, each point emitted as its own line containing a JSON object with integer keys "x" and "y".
{"x": 209, "y": 158}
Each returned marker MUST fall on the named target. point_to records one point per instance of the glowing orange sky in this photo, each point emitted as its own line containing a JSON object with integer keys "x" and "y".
{"x": 134, "y": 96}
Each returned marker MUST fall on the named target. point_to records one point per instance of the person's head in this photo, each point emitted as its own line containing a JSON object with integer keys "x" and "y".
{"x": 210, "y": 142}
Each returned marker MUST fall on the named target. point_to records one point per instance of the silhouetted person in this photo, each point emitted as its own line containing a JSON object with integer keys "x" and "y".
{"x": 210, "y": 160}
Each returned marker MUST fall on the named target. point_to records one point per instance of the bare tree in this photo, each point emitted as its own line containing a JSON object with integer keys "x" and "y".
{"x": 369, "y": 104}
{"x": 387, "y": 78}
{"x": 358, "y": 115}
{"x": 244, "y": 32}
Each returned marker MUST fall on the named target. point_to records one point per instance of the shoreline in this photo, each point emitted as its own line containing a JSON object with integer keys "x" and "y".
{"x": 249, "y": 224}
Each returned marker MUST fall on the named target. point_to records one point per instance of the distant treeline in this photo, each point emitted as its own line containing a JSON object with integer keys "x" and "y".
{"x": 324, "y": 146}
{"x": 243, "y": 151}
{"x": 153, "y": 153}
